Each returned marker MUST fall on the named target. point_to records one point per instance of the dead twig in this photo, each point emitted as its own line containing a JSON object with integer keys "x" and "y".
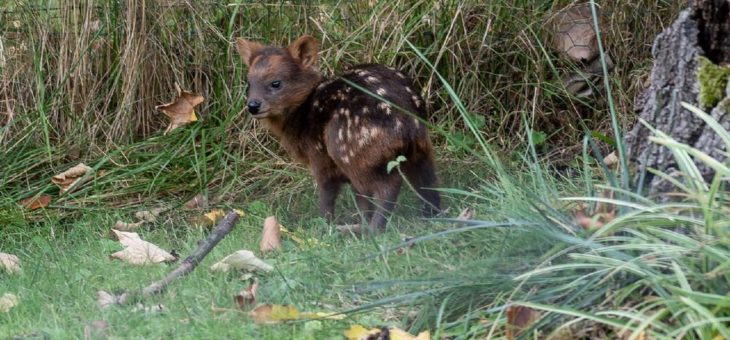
{"x": 188, "y": 265}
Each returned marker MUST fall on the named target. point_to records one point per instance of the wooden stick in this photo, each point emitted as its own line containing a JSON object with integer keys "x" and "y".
{"x": 188, "y": 265}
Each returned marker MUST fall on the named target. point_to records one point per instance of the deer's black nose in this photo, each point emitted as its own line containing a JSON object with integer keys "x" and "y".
{"x": 254, "y": 106}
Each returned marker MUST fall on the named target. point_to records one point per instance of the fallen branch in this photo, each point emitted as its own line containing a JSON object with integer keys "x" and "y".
{"x": 188, "y": 265}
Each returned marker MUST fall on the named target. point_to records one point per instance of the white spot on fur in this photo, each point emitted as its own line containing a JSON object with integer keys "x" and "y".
{"x": 346, "y": 159}
{"x": 415, "y": 121}
{"x": 363, "y": 73}
{"x": 408, "y": 89}
{"x": 371, "y": 80}
{"x": 357, "y": 120}
{"x": 400, "y": 75}
{"x": 416, "y": 101}
{"x": 351, "y": 153}
{"x": 339, "y": 134}
{"x": 365, "y": 110}
{"x": 398, "y": 124}
{"x": 381, "y": 91}
{"x": 385, "y": 107}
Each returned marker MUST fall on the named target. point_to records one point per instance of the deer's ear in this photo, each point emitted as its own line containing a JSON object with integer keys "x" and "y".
{"x": 304, "y": 50}
{"x": 247, "y": 49}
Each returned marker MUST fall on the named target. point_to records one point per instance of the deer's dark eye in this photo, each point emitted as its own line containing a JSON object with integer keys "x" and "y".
{"x": 276, "y": 84}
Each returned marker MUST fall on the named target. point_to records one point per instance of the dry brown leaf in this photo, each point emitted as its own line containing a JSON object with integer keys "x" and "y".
{"x": 36, "y": 202}
{"x": 611, "y": 160}
{"x": 73, "y": 178}
{"x": 10, "y": 263}
{"x": 124, "y": 226}
{"x": 126, "y": 238}
{"x": 596, "y": 221}
{"x": 197, "y": 202}
{"x": 574, "y": 35}
{"x": 270, "y": 236}
{"x": 8, "y": 301}
{"x": 181, "y": 111}
{"x": 518, "y": 318}
{"x": 242, "y": 259}
{"x": 247, "y": 297}
{"x": 138, "y": 251}
{"x": 148, "y": 215}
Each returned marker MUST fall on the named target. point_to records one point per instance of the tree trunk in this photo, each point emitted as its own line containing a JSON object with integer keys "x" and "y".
{"x": 699, "y": 38}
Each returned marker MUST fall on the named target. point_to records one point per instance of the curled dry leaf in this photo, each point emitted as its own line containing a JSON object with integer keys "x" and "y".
{"x": 8, "y": 301}
{"x": 247, "y": 297}
{"x": 270, "y": 236}
{"x": 611, "y": 160}
{"x": 139, "y": 252}
{"x": 181, "y": 111}
{"x": 36, "y": 202}
{"x": 518, "y": 318}
{"x": 124, "y": 226}
{"x": 10, "y": 263}
{"x": 244, "y": 260}
{"x": 73, "y": 178}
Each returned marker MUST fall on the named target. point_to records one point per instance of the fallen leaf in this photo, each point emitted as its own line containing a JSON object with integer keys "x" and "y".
{"x": 268, "y": 313}
{"x": 611, "y": 160}
{"x": 357, "y": 332}
{"x": 72, "y": 178}
{"x": 97, "y": 329}
{"x": 197, "y": 202}
{"x": 124, "y": 226}
{"x": 126, "y": 238}
{"x": 574, "y": 35}
{"x": 138, "y": 251}
{"x": 596, "y": 221}
{"x": 105, "y": 299}
{"x": 36, "y": 202}
{"x": 148, "y": 215}
{"x": 181, "y": 111}
{"x": 247, "y": 297}
{"x": 213, "y": 216}
{"x": 518, "y": 318}
{"x": 242, "y": 259}
{"x": 10, "y": 262}
{"x": 8, "y": 301}
{"x": 399, "y": 334}
{"x": 270, "y": 236}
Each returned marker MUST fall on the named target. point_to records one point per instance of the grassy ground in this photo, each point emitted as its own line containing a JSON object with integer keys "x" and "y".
{"x": 80, "y": 83}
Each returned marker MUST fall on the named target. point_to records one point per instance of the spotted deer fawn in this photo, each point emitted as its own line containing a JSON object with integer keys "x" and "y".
{"x": 345, "y": 129}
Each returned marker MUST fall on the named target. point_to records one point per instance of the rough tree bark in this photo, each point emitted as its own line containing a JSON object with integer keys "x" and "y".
{"x": 702, "y": 30}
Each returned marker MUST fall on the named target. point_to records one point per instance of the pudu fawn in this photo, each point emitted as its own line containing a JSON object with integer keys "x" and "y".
{"x": 344, "y": 133}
